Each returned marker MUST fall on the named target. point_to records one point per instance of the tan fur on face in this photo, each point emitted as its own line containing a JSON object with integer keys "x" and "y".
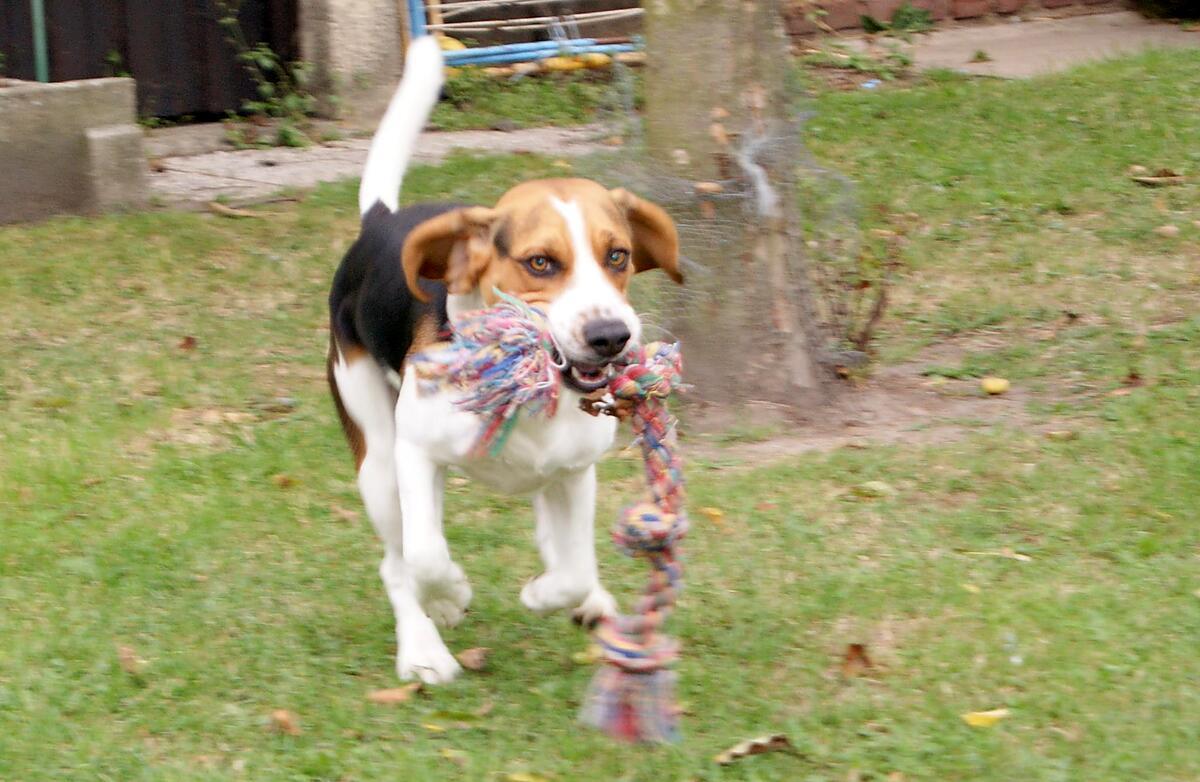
{"x": 485, "y": 248}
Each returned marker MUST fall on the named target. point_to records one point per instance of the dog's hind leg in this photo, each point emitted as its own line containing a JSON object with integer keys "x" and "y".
{"x": 366, "y": 403}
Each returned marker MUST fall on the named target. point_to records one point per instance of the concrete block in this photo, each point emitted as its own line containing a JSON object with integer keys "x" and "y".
{"x": 44, "y": 154}
{"x": 116, "y": 167}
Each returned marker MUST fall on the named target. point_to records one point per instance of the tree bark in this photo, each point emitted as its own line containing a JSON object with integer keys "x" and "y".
{"x": 718, "y": 113}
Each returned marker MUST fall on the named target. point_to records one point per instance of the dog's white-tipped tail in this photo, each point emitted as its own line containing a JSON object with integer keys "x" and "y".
{"x": 411, "y": 105}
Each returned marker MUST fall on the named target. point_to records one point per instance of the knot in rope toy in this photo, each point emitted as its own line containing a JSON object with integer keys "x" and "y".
{"x": 503, "y": 362}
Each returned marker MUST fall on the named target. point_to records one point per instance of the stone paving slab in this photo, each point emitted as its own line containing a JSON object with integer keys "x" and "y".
{"x": 1019, "y": 49}
{"x": 247, "y": 175}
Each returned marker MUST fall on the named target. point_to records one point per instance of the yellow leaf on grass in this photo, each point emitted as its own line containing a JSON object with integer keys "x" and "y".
{"x": 589, "y": 656}
{"x": 874, "y": 490}
{"x": 429, "y": 726}
{"x": 525, "y": 776}
{"x": 394, "y": 694}
{"x": 984, "y": 719}
{"x": 994, "y": 385}
{"x": 455, "y": 756}
{"x": 971, "y": 588}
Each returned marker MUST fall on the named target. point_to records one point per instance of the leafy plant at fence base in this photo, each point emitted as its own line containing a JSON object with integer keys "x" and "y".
{"x": 909, "y": 18}
{"x": 282, "y": 86}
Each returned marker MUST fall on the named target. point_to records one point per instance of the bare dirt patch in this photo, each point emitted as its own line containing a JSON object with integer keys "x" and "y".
{"x": 897, "y": 404}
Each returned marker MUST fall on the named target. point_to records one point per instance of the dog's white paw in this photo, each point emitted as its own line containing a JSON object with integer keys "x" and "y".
{"x": 442, "y": 590}
{"x": 553, "y": 592}
{"x": 597, "y": 605}
{"x": 424, "y": 656}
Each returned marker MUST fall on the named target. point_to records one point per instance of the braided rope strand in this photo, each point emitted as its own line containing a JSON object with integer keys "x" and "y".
{"x": 633, "y": 696}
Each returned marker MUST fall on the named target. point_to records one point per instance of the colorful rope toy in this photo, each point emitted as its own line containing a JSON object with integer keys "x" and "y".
{"x": 502, "y": 360}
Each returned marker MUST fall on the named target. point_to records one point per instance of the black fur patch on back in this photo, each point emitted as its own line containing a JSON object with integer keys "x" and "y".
{"x": 370, "y": 303}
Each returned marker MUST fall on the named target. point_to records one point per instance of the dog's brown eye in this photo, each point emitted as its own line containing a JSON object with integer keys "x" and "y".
{"x": 541, "y": 265}
{"x": 618, "y": 259}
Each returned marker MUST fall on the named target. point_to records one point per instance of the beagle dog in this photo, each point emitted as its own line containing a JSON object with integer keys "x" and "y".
{"x": 566, "y": 246}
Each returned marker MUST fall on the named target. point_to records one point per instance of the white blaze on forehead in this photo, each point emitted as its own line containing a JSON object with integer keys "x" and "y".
{"x": 590, "y": 293}
{"x": 585, "y": 260}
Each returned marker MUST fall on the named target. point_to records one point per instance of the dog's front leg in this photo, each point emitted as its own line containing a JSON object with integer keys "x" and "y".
{"x": 426, "y": 577}
{"x": 566, "y": 513}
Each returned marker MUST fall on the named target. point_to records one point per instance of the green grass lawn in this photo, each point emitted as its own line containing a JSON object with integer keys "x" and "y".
{"x": 475, "y": 100}
{"x": 192, "y": 499}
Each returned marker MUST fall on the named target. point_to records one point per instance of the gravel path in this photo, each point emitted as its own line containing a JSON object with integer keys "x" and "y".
{"x": 247, "y": 175}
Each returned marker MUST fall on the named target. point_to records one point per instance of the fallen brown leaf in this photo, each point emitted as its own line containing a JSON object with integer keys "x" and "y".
{"x": 474, "y": 659}
{"x": 284, "y": 721}
{"x": 283, "y": 480}
{"x": 216, "y": 207}
{"x": 345, "y": 514}
{"x": 129, "y": 660}
{"x": 855, "y": 661}
{"x": 715, "y": 515}
{"x": 187, "y": 343}
{"x": 1160, "y": 178}
{"x": 758, "y": 746}
{"x": 394, "y": 694}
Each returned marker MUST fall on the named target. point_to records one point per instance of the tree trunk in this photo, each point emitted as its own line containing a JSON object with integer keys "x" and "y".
{"x": 718, "y": 114}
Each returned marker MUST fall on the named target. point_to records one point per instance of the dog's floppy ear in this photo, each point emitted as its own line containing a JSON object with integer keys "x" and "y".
{"x": 453, "y": 247}
{"x": 655, "y": 240}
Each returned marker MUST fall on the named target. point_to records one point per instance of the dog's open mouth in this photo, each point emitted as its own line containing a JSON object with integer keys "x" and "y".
{"x": 583, "y": 377}
{"x": 588, "y": 378}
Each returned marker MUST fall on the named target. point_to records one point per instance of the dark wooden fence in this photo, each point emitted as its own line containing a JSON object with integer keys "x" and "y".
{"x": 174, "y": 48}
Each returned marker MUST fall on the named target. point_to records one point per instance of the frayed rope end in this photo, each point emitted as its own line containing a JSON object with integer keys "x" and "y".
{"x": 633, "y": 707}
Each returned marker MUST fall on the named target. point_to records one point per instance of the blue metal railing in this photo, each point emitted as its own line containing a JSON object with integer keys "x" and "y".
{"x": 516, "y": 52}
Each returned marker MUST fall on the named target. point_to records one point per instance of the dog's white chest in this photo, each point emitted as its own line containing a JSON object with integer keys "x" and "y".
{"x": 537, "y": 451}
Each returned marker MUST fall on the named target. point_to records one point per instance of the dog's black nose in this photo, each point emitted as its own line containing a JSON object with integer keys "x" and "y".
{"x": 606, "y": 337}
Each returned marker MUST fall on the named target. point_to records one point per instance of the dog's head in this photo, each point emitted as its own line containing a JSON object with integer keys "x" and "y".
{"x": 566, "y": 246}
